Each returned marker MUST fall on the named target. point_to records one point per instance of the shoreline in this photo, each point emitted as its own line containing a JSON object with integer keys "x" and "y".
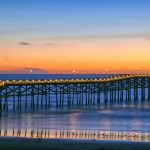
{"x": 15, "y": 143}
{"x": 99, "y": 135}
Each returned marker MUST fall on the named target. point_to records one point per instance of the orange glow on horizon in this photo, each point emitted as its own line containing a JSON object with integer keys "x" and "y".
{"x": 115, "y": 55}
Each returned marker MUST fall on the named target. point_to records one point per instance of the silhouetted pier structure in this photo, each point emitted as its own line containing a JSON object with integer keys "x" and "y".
{"x": 73, "y": 92}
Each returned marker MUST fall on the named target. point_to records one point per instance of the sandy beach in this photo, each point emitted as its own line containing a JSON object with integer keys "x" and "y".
{"x": 16, "y": 143}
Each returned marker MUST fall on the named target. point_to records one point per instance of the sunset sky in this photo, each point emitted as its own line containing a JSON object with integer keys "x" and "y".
{"x": 74, "y": 36}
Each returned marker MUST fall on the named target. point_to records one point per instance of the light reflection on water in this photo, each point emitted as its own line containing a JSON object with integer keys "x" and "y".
{"x": 77, "y": 134}
{"x": 134, "y": 117}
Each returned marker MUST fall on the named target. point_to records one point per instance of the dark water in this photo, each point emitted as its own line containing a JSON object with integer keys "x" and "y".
{"x": 127, "y": 118}
{"x": 49, "y": 76}
{"x": 118, "y": 117}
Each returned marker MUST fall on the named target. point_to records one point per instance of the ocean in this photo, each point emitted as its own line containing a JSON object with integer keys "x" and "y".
{"x": 133, "y": 117}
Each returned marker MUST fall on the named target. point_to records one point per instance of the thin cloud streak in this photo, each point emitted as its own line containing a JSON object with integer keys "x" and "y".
{"x": 25, "y": 43}
{"x": 50, "y": 44}
{"x": 25, "y": 70}
{"x": 35, "y": 70}
{"x": 98, "y": 36}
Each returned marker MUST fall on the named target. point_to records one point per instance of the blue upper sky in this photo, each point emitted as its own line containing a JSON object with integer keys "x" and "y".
{"x": 33, "y": 19}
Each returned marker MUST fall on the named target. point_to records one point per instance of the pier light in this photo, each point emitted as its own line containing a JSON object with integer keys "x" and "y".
{"x": 95, "y": 79}
{"x": 66, "y": 80}
{"x": 2, "y": 83}
{"x": 13, "y": 81}
{"x": 7, "y": 81}
{"x": 45, "y": 80}
{"x": 72, "y": 80}
{"x": 86, "y": 80}
{"x": 32, "y": 81}
{"x": 102, "y": 79}
{"x": 61, "y": 80}
{"x": 20, "y": 81}
{"x": 82, "y": 80}
{"x": 50, "y": 81}
{"x": 27, "y": 81}
{"x": 111, "y": 78}
{"x": 56, "y": 80}
{"x": 90, "y": 80}
{"x": 39, "y": 81}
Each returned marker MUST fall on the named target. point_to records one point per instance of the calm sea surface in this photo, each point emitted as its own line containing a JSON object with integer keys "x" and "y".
{"x": 118, "y": 117}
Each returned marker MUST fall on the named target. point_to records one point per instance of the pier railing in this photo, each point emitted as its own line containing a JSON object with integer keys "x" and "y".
{"x": 69, "y": 92}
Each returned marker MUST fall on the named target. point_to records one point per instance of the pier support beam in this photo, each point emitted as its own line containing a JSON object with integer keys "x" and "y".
{"x": 19, "y": 97}
{"x": 149, "y": 89}
{"x": 143, "y": 88}
{"x": 14, "y": 98}
{"x": 5, "y": 106}
{"x": 32, "y": 96}
{"x": 56, "y": 94}
{"x": 118, "y": 91}
{"x": 0, "y": 100}
{"x": 129, "y": 90}
{"x": 105, "y": 93}
{"x": 98, "y": 93}
{"x": 136, "y": 89}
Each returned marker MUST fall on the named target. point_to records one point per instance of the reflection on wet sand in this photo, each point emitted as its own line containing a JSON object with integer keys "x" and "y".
{"x": 77, "y": 134}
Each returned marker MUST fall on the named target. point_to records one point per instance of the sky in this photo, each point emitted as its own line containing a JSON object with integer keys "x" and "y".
{"x": 74, "y": 36}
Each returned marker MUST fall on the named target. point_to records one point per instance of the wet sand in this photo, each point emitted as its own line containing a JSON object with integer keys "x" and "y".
{"x": 15, "y": 143}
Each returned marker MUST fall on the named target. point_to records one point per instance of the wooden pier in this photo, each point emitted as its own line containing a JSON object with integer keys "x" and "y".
{"x": 73, "y": 92}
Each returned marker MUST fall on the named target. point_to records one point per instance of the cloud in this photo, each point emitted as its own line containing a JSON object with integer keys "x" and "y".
{"x": 25, "y": 43}
{"x": 25, "y": 70}
{"x": 99, "y": 36}
{"x": 35, "y": 70}
{"x": 6, "y": 58}
{"x": 50, "y": 44}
